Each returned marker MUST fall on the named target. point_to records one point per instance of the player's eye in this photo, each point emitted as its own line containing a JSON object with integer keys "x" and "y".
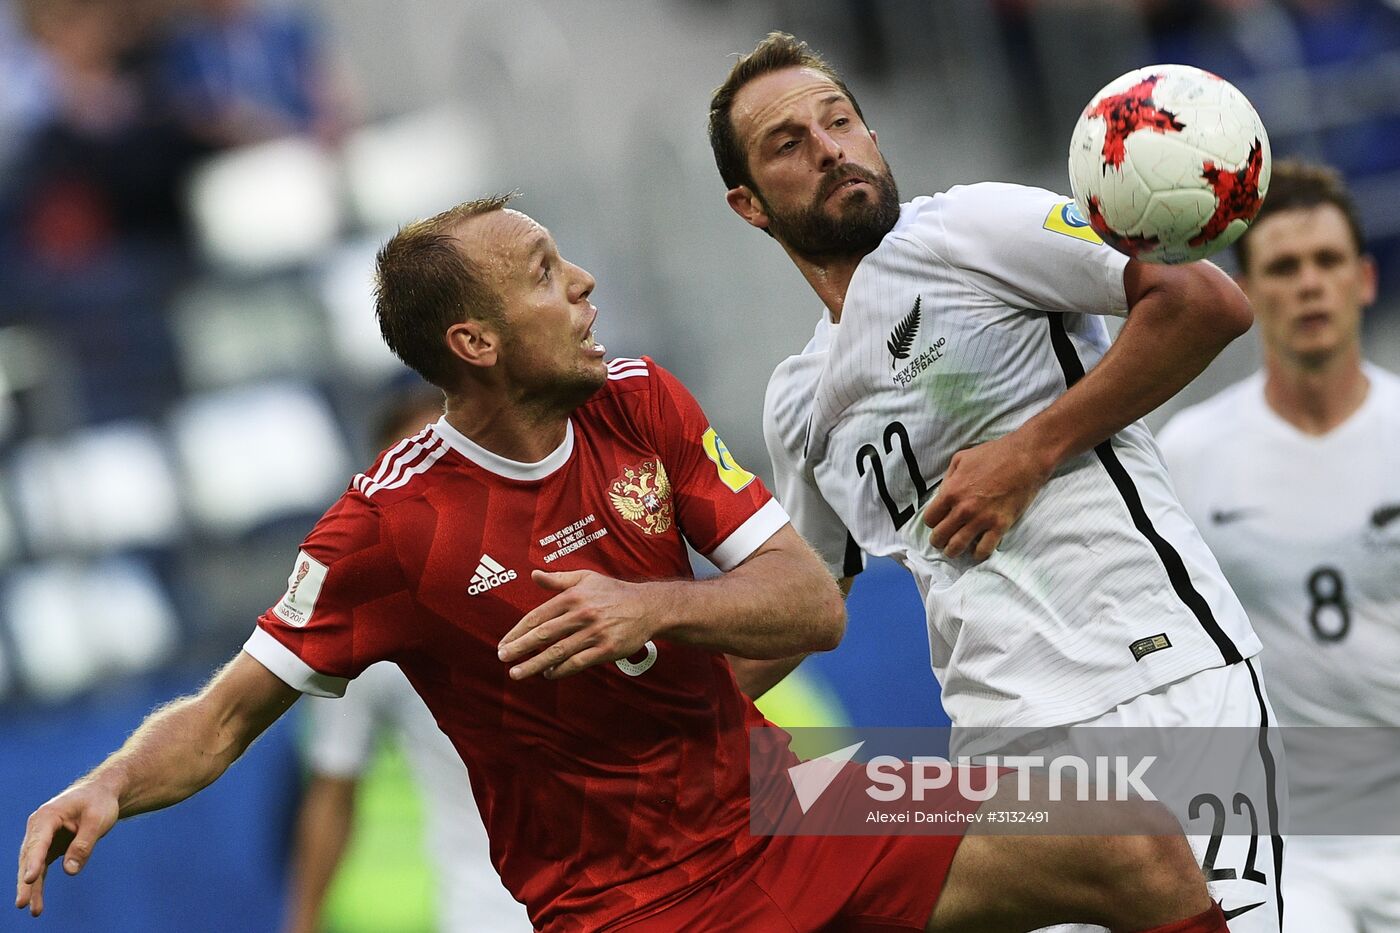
{"x": 788, "y": 146}
{"x": 544, "y": 272}
{"x": 841, "y": 121}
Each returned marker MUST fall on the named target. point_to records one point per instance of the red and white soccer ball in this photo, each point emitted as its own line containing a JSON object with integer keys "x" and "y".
{"x": 1169, "y": 163}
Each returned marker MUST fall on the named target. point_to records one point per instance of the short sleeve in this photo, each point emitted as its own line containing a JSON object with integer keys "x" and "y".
{"x": 1026, "y": 247}
{"x": 328, "y": 626}
{"x": 724, "y": 511}
{"x": 811, "y": 514}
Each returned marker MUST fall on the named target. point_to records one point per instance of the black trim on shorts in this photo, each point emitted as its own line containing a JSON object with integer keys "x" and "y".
{"x": 1271, "y": 778}
{"x": 1171, "y": 560}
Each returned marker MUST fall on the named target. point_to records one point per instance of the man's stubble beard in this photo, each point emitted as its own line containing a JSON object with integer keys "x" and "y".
{"x": 569, "y": 390}
{"x": 815, "y": 235}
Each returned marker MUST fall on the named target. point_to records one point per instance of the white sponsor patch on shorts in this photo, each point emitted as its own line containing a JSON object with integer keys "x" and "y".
{"x": 303, "y": 587}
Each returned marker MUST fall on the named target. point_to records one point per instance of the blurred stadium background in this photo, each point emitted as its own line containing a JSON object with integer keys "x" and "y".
{"x": 191, "y": 192}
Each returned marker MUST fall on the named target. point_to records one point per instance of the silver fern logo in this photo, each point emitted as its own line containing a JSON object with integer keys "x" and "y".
{"x": 901, "y": 346}
{"x": 901, "y": 340}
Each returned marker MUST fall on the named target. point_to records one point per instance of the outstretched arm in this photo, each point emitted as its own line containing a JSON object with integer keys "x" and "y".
{"x": 179, "y": 749}
{"x": 1180, "y": 318}
{"x": 779, "y": 602}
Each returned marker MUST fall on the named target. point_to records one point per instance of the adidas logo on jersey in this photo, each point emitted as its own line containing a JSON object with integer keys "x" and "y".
{"x": 489, "y": 574}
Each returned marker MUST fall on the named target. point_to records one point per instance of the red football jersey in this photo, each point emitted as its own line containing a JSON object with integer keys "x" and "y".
{"x": 604, "y": 793}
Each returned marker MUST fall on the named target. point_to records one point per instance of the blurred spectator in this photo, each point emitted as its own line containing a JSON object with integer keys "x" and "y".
{"x": 107, "y": 161}
{"x": 240, "y": 73}
{"x": 126, "y": 98}
{"x": 91, "y": 230}
{"x": 28, "y": 81}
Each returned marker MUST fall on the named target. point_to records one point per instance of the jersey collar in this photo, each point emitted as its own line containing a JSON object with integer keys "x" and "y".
{"x": 495, "y": 463}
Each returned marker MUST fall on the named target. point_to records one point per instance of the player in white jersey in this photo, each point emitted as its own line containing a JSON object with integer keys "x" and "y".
{"x": 961, "y": 378}
{"x": 342, "y": 734}
{"x": 1293, "y": 477}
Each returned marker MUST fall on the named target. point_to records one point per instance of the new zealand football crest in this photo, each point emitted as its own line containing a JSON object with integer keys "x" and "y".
{"x": 642, "y": 495}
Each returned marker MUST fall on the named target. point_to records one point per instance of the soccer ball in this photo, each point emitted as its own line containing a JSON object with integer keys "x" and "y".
{"x": 1169, "y": 163}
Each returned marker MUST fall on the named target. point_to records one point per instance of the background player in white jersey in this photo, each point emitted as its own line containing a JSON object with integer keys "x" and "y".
{"x": 1293, "y": 477}
{"x": 961, "y": 372}
{"x": 341, "y": 738}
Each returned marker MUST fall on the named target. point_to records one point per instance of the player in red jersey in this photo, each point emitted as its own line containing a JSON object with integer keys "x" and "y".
{"x": 522, "y": 561}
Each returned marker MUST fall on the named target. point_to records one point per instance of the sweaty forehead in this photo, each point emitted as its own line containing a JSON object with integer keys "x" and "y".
{"x": 769, "y": 100}
{"x": 501, "y": 241}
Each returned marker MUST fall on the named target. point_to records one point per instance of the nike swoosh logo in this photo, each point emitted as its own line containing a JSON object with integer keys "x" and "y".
{"x": 1230, "y": 516}
{"x": 1232, "y": 914}
{"x": 1385, "y": 515}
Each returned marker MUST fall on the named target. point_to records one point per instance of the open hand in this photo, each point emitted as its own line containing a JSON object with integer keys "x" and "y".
{"x": 984, "y": 492}
{"x": 68, "y": 826}
{"x": 594, "y": 619}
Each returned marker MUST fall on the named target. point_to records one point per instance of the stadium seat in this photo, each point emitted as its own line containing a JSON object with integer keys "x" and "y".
{"x": 267, "y": 207}
{"x": 256, "y": 453}
{"x": 228, "y": 333}
{"x": 99, "y": 488}
{"x": 76, "y": 624}
{"x": 413, "y": 166}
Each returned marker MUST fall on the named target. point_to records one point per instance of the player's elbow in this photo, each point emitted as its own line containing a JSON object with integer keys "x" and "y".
{"x": 828, "y": 615}
{"x": 1221, "y": 305}
{"x": 1236, "y": 314}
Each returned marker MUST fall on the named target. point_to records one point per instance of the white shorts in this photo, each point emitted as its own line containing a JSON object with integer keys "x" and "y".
{"x": 1243, "y": 872}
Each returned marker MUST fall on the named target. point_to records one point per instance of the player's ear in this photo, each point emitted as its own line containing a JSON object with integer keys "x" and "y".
{"x": 473, "y": 342}
{"x": 747, "y": 205}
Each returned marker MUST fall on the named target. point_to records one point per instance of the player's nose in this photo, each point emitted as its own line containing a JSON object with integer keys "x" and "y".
{"x": 582, "y": 284}
{"x": 1309, "y": 278}
{"x": 828, "y": 149}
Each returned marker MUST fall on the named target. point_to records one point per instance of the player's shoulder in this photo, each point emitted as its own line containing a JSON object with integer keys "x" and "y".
{"x": 1214, "y": 420}
{"x": 1383, "y": 405}
{"x": 629, "y": 374}
{"x": 1382, "y": 378}
{"x": 403, "y": 471}
{"x": 636, "y": 392}
{"x": 966, "y": 216}
{"x": 787, "y": 402}
{"x": 988, "y": 200}
{"x": 794, "y": 379}
{"x": 632, "y": 378}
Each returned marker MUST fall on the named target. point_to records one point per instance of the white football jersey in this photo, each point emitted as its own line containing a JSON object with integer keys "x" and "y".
{"x": 972, "y": 315}
{"x": 1307, "y": 530}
